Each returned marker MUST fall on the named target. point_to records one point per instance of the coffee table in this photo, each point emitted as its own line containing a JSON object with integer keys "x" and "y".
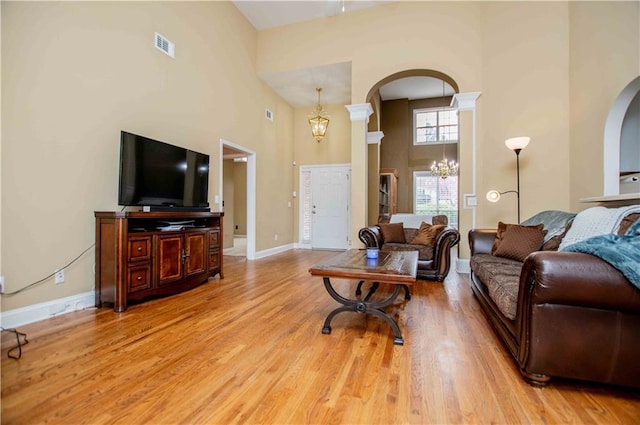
{"x": 397, "y": 268}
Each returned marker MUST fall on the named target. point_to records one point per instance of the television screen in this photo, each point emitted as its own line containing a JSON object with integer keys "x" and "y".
{"x": 157, "y": 174}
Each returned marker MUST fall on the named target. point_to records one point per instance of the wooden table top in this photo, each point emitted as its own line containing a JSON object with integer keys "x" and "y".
{"x": 390, "y": 266}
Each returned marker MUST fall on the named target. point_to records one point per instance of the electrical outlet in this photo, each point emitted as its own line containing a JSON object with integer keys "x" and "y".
{"x": 1, "y": 284}
{"x": 59, "y": 276}
{"x": 275, "y": 237}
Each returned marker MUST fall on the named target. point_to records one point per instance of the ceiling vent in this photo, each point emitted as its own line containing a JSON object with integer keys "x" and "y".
{"x": 165, "y": 45}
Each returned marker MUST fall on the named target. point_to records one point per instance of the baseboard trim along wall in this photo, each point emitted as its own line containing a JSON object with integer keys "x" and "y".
{"x": 273, "y": 251}
{"x": 36, "y": 312}
{"x": 463, "y": 266}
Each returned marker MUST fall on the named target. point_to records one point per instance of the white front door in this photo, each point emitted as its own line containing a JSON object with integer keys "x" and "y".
{"x": 330, "y": 198}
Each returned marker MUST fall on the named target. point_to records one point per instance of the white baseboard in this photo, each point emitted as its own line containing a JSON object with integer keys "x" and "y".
{"x": 299, "y": 245}
{"x": 273, "y": 251}
{"x": 463, "y": 266}
{"x": 34, "y": 313}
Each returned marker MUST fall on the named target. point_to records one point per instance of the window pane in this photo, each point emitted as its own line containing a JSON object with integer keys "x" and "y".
{"x": 421, "y": 119}
{"x": 432, "y": 134}
{"x": 306, "y": 206}
{"x": 431, "y": 118}
{"x": 421, "y": 135}
{"x": 449, "y": 133}
{"x": 434, "y": 195}
{"x": 448, "y": 117}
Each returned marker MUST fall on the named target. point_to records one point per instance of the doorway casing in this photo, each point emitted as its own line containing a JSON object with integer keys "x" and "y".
{"x": 251, "y": 192}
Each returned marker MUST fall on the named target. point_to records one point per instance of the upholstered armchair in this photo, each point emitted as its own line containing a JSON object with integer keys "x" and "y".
{"x": 432, "y": 241}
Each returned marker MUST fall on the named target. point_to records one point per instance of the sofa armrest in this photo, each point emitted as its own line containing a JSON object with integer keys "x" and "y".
{"x": 481, "y": 240}
{"x": 577, "y": 318}
{"x": 371, "y": 237}
{"x": 575, "y": 279}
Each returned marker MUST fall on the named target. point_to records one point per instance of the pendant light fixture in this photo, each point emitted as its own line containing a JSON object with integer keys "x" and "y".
{"x": 444, "y": 168}
{"x": 319, "y": 120}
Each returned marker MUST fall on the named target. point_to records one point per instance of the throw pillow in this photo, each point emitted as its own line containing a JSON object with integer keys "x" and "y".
{"x": 520, "y": 241}
{"x": 427, "y": 234}
{"x": 499, "y": 234}
{"x": 392, "y": 232}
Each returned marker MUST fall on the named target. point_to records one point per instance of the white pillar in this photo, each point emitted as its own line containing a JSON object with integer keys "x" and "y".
{"x": 360, "y": 114}
{"x": 466, "y": 102}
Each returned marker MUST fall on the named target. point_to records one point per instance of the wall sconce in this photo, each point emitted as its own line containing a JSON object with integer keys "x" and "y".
{"x": 516, "y": 144}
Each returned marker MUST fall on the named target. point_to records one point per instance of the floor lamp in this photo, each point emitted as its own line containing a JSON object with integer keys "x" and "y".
{"x": 516, "y": 144}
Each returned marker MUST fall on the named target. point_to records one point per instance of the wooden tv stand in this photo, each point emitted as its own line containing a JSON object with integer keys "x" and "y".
{"x": 135, "y": 259}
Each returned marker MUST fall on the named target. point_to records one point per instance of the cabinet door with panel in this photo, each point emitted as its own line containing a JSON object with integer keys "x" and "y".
{"x": 195, "y": 254}
{"x": 169, "y": 260}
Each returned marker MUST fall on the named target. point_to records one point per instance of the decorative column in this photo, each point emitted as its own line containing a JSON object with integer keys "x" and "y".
{"x": 466, "y": 102}
{"x": 374, "y": 139}
{"x": 360, "y": 114}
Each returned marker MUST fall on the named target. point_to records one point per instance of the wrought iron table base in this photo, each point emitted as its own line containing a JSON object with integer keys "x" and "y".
{"x": 364, "y": 306}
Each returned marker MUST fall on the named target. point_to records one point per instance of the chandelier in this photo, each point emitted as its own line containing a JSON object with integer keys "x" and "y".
{"x": 319, "y": 121}
{"x": 444, "y": 168}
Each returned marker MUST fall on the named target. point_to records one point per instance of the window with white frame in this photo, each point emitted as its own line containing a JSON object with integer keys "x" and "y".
{"x": 433, "y": 195}
{"x": 305, "y": 206}
{"x": 435, "y": 125}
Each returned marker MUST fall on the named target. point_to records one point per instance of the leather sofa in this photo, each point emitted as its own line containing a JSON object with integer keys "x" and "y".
{"x": 434, "y": 261}
{"x": 573, "y": 315}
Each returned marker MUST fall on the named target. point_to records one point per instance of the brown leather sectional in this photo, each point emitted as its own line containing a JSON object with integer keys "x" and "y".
{"x": 574, "y": 316}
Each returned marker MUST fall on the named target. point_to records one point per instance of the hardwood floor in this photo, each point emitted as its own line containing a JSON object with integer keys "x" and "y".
{"x": 249, "y": 349}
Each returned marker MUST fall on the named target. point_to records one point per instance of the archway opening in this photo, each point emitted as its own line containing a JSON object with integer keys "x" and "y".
{"x": 412, "y": 109}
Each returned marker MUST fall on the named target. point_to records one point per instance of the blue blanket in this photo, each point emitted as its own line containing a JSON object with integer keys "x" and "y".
{"x": 622, "y": 252}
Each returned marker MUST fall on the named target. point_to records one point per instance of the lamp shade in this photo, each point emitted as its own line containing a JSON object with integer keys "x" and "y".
{"x": 493, "y": 196}
{"x": 517, "y": 142}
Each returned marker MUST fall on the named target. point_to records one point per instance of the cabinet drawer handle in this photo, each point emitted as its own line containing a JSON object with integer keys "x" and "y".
{"x": 139, "y": 249}
{"x": 139, "y": 277}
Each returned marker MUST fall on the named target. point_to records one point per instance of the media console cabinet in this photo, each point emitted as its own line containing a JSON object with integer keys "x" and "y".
{"x": 145, "y": 254}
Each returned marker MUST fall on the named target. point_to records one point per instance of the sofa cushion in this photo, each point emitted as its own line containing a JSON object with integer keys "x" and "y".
{"x": 427, "y": 234}
{"x": 392, "y": 232}
{"x": 502, "y": 278}
{"x": 425, "y": 252}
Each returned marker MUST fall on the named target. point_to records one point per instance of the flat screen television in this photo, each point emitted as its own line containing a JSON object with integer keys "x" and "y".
{"x": 161, "y": 176}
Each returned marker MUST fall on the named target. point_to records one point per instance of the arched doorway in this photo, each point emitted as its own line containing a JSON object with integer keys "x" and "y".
{"x": 621, "y": 134}
{"x": 412, "y": 109}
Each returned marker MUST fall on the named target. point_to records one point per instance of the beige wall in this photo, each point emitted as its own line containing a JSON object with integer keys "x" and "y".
{"x": 525, "y": 92}
{"x": 604, "y": 58}
{"x": 74, "y": 74}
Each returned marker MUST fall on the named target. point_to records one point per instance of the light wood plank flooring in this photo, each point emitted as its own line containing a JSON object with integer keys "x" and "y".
{"x": 249, "y": 349}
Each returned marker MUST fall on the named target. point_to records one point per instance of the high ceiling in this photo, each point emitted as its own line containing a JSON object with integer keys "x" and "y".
{"x": 270, "y": 14}
{"x": 298, "y": 87}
